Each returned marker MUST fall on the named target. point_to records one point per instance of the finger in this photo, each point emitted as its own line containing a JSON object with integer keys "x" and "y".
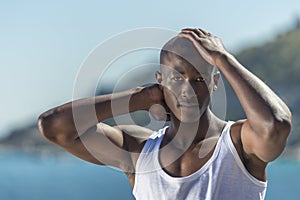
{"x": 187, "y": 29}
{"x": 203, "y": 31}
{"x": 195, "y": 30}
{"x": 200, "y": 33}
{"x": 189, "y": 35}
{"x": 184, "y": 34}
{"x": 206, "y": 33}
{"x": 196, "y": 40}
{"x": 210, "y": 35}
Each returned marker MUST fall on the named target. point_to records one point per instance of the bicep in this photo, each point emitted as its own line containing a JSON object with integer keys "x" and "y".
{"x": 262, "y": 146}
{"x": 101, "y": 144}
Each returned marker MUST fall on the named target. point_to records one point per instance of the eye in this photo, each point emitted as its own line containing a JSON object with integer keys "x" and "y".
{"x": 177, "y": 78}
{"x": 200, "y": 79}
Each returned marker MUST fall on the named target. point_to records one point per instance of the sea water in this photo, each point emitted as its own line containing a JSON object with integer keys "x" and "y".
{"x": 63, "y": 178}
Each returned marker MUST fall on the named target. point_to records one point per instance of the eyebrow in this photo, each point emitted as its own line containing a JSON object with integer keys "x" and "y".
{"x": 179, "y": 70}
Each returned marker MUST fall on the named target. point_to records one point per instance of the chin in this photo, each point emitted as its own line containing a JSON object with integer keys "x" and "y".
{"x": 192, "y": 116}
{"x": 189, "y": 119}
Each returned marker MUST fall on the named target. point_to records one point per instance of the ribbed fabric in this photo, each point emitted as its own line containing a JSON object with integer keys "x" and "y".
{"x": 223, "y": 176}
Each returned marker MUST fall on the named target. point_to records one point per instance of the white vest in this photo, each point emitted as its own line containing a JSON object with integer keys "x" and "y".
{"x": 223, "y": 176}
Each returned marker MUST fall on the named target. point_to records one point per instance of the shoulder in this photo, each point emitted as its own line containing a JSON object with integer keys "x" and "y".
{"x": 254, "y": 165}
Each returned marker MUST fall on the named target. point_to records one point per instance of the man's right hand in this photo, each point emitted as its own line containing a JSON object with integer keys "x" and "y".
{"x": 158, "y": 108}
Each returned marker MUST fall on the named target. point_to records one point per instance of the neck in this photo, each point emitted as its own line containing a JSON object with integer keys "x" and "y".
{"x": 184, "y": 135}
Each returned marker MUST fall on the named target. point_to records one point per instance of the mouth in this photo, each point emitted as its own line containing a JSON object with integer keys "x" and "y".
{"x": 188, "y": 105}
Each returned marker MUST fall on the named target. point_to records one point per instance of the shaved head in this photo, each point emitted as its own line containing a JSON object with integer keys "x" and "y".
{"x": 184, "y": 49}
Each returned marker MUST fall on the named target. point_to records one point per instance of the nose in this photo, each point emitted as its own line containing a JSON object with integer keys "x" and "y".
{"x": 187, "y": 90}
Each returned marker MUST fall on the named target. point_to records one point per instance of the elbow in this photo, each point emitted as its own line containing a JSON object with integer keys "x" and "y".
{"x": 275, "y": 140}
{"x": 51, "y": 131}
{"x": 57, "y": 126}
{"x": 48, "y": 122}
{"x": 53, "y": 128}
{"x": 45, "y": 127}
{"x": 279, "y": 129}
{"x": 283, "y": 124}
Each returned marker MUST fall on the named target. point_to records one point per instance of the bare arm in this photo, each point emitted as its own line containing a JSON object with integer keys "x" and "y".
{"x": 268, "y": 123}
{"x": 265, "y": 131}
{"x": 75, "y": 126}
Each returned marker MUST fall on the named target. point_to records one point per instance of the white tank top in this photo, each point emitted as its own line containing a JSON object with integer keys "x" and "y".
{"x": 223, "y": 176}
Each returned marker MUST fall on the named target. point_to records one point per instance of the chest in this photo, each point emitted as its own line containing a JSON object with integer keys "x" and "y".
{"x": 176, "y": 163}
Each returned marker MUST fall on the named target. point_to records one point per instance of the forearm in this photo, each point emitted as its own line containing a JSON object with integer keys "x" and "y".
{"x": 263, "y": 108}
{"x": 74, "y": 118}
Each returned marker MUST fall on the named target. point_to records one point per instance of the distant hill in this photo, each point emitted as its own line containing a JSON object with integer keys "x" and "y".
{"x": 276, "y": 62}
{"x": 29, "y": 140}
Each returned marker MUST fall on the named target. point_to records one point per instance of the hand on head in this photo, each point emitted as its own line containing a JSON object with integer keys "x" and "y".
{"x": 158, "y": 109}
{"x": 209, "y": 46}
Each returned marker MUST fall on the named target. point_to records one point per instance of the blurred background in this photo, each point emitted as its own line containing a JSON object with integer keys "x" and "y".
{"x": 43, "y": 45}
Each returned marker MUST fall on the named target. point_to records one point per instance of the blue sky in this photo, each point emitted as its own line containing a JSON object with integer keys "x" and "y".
{"x": 44, "y": 43}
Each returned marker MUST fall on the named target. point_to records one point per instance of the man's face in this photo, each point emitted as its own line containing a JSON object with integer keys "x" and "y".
{"x": 186, "y": 88}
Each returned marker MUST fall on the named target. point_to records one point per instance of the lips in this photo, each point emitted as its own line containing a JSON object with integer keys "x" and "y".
{"x": 188, "y": 105}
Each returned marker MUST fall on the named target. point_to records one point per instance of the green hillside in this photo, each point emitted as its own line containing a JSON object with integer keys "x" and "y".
{"x": 277, "y": 61}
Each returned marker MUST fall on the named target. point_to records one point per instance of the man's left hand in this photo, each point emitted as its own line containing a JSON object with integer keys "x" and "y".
{"x": 209, "y": 46}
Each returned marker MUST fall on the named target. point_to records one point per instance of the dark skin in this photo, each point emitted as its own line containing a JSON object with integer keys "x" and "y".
{"x": 259, "y": 139}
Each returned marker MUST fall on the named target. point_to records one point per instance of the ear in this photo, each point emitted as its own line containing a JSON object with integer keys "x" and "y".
{"x": 216, "y": 79}
{"x": 158, "y": 78}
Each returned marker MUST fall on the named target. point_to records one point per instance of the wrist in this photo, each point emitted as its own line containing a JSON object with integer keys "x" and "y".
{"x": 222, "y": 58}
{"x": 141, "y": 98}
{"x": 153, "y": 95}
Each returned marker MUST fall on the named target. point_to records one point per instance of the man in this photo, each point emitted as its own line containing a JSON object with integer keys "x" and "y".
{"x": 198, "y": 156}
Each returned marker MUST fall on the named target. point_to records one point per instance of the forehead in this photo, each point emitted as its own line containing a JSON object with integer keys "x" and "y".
{"x": 180, "y": 53}
{"x": 195, "y": 64}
